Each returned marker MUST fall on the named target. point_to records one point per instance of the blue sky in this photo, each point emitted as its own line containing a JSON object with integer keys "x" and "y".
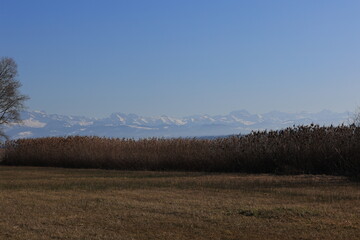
{"x": 92, "y": 58}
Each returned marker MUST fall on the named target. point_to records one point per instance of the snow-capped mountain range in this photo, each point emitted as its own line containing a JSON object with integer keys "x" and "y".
{"x": 41, "y": 124}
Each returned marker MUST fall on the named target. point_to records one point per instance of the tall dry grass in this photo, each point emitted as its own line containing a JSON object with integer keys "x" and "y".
{"x": 303, "y": 149}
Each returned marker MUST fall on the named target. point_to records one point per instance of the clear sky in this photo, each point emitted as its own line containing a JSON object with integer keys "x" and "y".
{"x": 183, "y": 57}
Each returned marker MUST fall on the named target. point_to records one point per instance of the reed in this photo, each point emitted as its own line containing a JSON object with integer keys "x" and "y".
{"x": 300, "y": 149}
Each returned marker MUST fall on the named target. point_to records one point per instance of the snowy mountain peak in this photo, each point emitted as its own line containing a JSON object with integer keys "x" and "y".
{"x": 40, "y": 124}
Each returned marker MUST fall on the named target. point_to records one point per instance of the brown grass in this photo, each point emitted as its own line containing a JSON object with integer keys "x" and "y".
{"x": 55, "y": 203}
{"x": 304, "y": 149}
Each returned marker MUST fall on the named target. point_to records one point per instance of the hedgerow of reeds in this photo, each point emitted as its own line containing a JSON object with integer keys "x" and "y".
{"x": 303, "y": 149}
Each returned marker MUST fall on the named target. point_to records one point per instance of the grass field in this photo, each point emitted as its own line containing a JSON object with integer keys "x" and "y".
{"x": 55, "y": 203}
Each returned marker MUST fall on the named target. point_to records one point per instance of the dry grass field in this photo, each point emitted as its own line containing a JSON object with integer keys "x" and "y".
{"x": 56, "y": 203}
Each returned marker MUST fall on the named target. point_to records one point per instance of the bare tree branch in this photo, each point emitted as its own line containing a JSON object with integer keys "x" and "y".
{"x": 11, "y": 100}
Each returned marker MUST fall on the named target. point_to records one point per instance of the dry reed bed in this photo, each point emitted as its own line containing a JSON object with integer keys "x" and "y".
{"x": 302, "y": 149}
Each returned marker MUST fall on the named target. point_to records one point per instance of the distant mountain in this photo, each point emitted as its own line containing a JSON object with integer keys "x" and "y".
{"x": 41, "y": 124}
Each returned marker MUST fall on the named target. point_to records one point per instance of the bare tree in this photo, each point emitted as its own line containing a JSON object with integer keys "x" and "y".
{"x": 354, "y": 118}
{"x": 11, "y": 100}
